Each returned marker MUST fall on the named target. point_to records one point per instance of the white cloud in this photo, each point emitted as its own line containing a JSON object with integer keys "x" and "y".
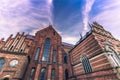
{"x": 21, "y": 15}
{"x": 70, "y": 39}
{"x": 110, "y": 17}
{"x": 87, "y": 8}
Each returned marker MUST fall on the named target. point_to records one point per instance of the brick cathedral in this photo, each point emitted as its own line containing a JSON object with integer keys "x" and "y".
{"x": 96, "y": 56}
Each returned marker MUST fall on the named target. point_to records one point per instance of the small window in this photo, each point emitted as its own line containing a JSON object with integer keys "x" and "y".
{"x": 65, "y": 58}
{"x": 37, "y": 54}
{"x": 32, "y": 74}
{"x": 2, "y": 62}
{"x": 54, "y": 55}
{"x": 66, "y": 74}
{"x": 53, "y": 74}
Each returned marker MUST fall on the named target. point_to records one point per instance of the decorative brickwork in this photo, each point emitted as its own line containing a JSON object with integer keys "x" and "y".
{"x": 45, "y": 57}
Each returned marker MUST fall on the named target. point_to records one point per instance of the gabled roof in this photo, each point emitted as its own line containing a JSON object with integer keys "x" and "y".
{"x": 50, "y": 27}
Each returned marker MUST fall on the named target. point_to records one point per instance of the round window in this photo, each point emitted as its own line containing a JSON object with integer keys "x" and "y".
{"x": 13, "y": 63}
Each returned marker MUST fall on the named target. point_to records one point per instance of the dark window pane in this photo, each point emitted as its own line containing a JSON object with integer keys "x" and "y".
{"x": 53, "y": 74}
{"x": 65, "y": 58}
{"x": 66, "y": 74}
{"x": 42, "y": 75}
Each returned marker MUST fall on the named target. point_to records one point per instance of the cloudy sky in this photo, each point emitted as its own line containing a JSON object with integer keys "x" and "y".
{"x": 69, "y": 17}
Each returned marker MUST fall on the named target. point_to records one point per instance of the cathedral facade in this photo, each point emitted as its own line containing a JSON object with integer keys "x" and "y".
{"x": 96, "y": 56}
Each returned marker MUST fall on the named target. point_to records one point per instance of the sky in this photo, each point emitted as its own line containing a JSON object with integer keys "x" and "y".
{"x": 69, "y": 17}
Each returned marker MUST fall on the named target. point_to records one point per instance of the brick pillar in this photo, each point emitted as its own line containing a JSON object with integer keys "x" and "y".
{"x": 60, "y": 64}
{"x": 37, "y": 73}
{"x": 60, "y": 73}
{"x": 51, "y": 54}
{"x": 49, "y": 72}
{"x": 41, "y": 52}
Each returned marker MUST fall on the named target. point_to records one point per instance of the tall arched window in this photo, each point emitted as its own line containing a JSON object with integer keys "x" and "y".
{"x": 46, "y": 50}
{"x": 66, "y": 74}
{"x": 65, "y": 58}
{"x": 32, "y": 73}
{"x": 37, "y": 53}
{"x": 54, "y": 55}
{"x": 42, "y": 74}
{"x": 2, "y": 62}
{"x": 86, "y": 64}
{"x": 53, "y": 74}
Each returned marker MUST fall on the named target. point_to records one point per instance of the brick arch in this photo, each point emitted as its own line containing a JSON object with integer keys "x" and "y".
{"x": 6, "y": 78}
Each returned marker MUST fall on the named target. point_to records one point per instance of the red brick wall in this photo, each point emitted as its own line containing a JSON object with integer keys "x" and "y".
{"x": 14, "y": 72}
{"x": 101, "y": 67}
{"x": 40, "y": 38}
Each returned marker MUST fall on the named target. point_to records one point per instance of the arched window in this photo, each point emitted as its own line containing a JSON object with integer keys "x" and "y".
{"x": 66, "y": 74}
{"x": 86, "y": 64}
{"x": 32, "y": 73}
{"x": 42, "y": 74}
{"x": 53, "y": 74}
{"x": 54, "y": 55}
{"x": 65, "y": 58}
{"x": 37, "y": 53}
{"x": 46, "y": 50}
{"x": 6, "y": 79}
{"x": 2, "y": 62}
